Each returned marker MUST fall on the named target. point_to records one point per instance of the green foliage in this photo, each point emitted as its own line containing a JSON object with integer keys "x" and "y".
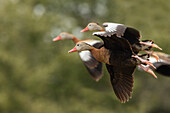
{"x": 39, "y": 76}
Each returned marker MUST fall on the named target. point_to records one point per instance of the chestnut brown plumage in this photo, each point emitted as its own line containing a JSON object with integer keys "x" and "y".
{"x": 120, "y": 61}
{"x": 116, "y": 53}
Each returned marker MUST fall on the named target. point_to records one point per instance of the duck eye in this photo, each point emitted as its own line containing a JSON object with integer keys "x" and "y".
{"x": 78, "y": 44}
{"x": 89, "y": 24}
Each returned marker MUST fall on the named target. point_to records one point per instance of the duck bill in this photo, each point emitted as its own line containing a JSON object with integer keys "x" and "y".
{"x": 85, "y": 29}
{"x": 57, "y": 38}
{"x": 73, "y": 50}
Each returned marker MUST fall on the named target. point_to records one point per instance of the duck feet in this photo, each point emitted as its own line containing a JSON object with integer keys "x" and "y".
{"x": 151, "y": 44}
{"x": 144, "y": 61}
{"x": 147, "y": 69}
{"x": 152, "y": 54}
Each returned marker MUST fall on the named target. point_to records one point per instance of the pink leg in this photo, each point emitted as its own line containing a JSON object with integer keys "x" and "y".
{"x": 144, "y": 61}
{"x": 147, "y": 69}
{"x": 152, "y": 45}
{"x": 152, "y": 54}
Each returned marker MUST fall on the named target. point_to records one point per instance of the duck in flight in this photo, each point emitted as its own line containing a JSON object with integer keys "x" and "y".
{"x": 120, "y": 62}
{"x": 93, "y": 66}
{"x": 129, "y": 33}
{"x": 122, "y": 31}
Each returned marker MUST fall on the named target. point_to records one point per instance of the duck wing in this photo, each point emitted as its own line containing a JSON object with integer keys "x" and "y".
{"x": 94, "y": 67}
{"x": 122, "y": 81}
{"x": 114, "y": 43}
{"x": 163, "y": 68}
{"x": 122, "y": 31}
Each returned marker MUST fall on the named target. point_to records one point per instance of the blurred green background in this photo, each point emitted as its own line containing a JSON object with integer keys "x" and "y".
{"x": 39, "y": 76}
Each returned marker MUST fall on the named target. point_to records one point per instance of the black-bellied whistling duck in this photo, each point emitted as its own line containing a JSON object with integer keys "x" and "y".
{"x": 162, "y": 66}
{"x": 120, "y": 62}
{"x": 122, "y": 31}
{"x": 93, "y": 66}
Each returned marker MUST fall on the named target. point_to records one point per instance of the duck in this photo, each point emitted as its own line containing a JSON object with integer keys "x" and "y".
{"x": 122, "y": 31}
{"x": 93, "y": 66}
{"x": 162, "y": 66}
{"x": 120, "y": 62}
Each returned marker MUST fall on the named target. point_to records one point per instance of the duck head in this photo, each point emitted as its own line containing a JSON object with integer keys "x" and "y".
{"x": 80, "y": 46}
{"x": 92, "y": 27}
{"x": 64, "y": 36}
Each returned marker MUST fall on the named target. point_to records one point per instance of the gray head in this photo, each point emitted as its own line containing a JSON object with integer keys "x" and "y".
{"x": 81, "y": 46}
{"x": 64, "y": 36}
{"x": 93, "y": 27}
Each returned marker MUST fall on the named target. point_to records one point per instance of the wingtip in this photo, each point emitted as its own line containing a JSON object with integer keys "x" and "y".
{"x": 124, "y": 101}
{"x": 97, "y": 80}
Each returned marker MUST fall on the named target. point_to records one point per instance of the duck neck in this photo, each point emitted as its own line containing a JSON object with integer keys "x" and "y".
{"x": 75, "y": 40}
{"x": 102, "y": 29}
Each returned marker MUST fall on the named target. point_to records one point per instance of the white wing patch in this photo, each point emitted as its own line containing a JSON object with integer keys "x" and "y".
{"x": 111, "y": 27}
{"x": 85, "y": 55}
{"x": 99, "y": 33}
{"x": 103, "y": 33}
{"x": 152, "y": 60}
{"x": 92, "y": 42}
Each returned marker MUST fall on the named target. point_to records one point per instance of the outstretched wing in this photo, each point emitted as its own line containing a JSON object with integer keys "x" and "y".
{"x": 122, "y": 81}
{"x": 115, "y": 28}
{"x": 94, "y": 67}
{"x": 122, "y": 31}
{"x": 112, "y": 42}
